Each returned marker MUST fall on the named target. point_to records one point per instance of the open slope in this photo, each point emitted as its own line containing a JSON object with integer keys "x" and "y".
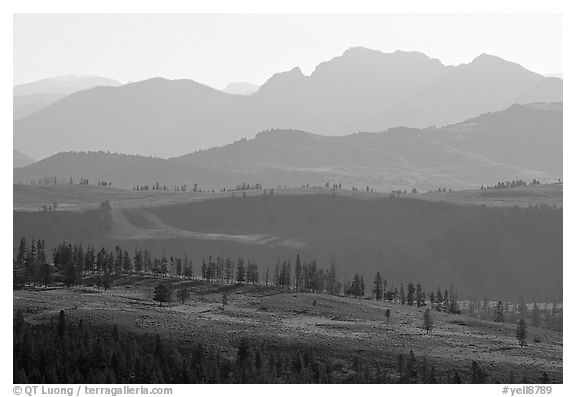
{"x": 336, "y": 327}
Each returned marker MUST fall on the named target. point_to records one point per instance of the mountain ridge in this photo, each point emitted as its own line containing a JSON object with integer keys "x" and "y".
{"x": 361, "y": 90}
{"x": 456, "y": 156}
{"x": 32, "y": 97}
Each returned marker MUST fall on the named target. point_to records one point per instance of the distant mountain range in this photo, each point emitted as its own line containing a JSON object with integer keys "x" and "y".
{"x": 241, "y": 88}
{"x": 32, "y": 97}
{"x": 361, "y": 90}
{"x": 20, "y": 159}
{"x": 523, "y": 141}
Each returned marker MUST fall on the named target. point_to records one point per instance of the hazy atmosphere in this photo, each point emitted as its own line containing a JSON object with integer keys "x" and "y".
{"x": 277, "y": 198}
{"x": 219, "y": 49}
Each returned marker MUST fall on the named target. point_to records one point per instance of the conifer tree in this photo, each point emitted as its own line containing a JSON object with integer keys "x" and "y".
{"x": 204, "y": 270}
{"x": 179, "y": 268}
{"x": 298, "y": 273}
{"x": 428, "y": 325}
{"x": 228, "y": 270}
{"x": 31, "y": 263}
{"x": 240, "y": 271}
{"x": 420, "y": 298}
{"x": 438, "y": 295}
{"x": 331, "y": 282}
{"x": 138, "y": 261}
{"x": 522, "y": 308}
{"x": 377, "y": 291}
{"x": 21, "y": 254}
{"x": 70, "y": 276}
{"x": 402, "y": 294}
{"x": 522, "y": 332}
{"x": 46, "y": 275}
{"x": 162, "y": 293}
{"x": 126, "y": 262}
{"x": 535, "y": 315}
{"x": 188, "y": 271}
{"x": 499, "y": 312}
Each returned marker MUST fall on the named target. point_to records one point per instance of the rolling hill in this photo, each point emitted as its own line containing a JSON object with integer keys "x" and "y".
{"x": 523, "y": 141}
{"x": 361, "y": 90}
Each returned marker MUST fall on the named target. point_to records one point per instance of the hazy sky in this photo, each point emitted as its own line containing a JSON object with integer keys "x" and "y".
{"x": 217, "y": 49}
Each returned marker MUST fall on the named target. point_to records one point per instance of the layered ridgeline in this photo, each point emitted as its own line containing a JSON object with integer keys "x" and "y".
{"x": 521, "y": 142}
{"x": 31, "y": 97}
{"x": 361, "y": 90}
{"x": 20, "y": 159}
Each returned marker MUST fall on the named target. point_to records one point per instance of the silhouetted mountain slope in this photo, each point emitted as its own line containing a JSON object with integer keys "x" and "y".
{"x": 63, "y": 85}
{"x": 361, "y": 90}
{"x": 32, "y": 97}
{"x": 156, "y": 113}
{"x": 524, "y": 141}
{"x": 521, "y": 142}
{"x": 24, "y": 105}
{"x": 525, "y": 135}
{"x": 396, "y": 158}
{"x": 20, "y": 159}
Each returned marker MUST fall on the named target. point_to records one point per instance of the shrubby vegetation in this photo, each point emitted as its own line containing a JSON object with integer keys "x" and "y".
{"x": 69, "y": 351}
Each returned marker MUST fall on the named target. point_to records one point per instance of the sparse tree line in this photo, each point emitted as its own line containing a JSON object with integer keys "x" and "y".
{"x": 70, "y": 262}
{"x": 512, "y": 184}
{"x": 49, "y": 207}
{"x": 549, "y": 316}
{"x": 398, "y": 193}
{"x": 33, "y": 267}
{"x": 411, "y": 295}
{"x": 444, "y": 190}
{"x": 53, "y": 180}
{"x": 67, "y": 351}
{"x": 196, "y": 189}
{"x": 157, "y": 186}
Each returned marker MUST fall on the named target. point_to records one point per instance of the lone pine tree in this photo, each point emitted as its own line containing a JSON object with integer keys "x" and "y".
{"x": 522, "y": 332}
{"x": 499, "y": 312}
{"x": 378, "y": 292}
{"x": 428, "y": 325}
{"x": 162, "y": 293}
